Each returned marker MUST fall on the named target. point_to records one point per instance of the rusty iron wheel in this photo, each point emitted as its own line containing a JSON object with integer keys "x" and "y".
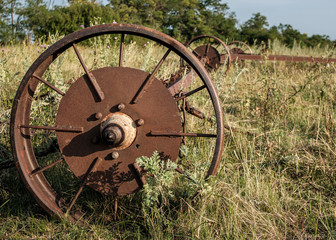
{"x": 211, "y": 51}
{"x": 106, "y": 119}
{"x": 239, "y": 47}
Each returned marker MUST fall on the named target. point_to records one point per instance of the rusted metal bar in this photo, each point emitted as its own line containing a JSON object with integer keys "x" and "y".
{"x": 257, "y": 57}
{"x": 48, "y": 84}
{"x": 56, "y": 128}
{"x": 38, "y": 170}
{"x": 184, "y": 123}
{"x": 140, "y": 173}
{"x": 91, "y": 169}
{"x": 121, "y": 53}
{"x": 150, "y": 78}
{"x": 92, "y": 79}
{"x": 193, "y": 111}
{"x": 115, "y": 208}
{"x": 180, "y": 171}
{"x": 179, "y": 134}
{"x": 190, "y": 93}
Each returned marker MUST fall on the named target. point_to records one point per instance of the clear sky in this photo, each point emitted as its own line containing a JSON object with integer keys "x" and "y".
{"x": 308, "y": 16}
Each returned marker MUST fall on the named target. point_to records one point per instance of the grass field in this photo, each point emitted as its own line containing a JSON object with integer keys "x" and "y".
{"x": 276, "y": 179}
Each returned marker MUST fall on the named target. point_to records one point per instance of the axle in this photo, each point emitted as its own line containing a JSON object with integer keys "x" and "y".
{"x": 257, "y": 57}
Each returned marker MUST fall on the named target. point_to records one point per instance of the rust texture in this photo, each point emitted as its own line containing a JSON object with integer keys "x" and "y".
{"x": 238, "y": 51}
{"x": 157, "y": 108}
{"x": 239, "y": 47}
{"x": 110, "y": 116}
{"x": 211, "y": 51}
{"x": 286, "y": 58}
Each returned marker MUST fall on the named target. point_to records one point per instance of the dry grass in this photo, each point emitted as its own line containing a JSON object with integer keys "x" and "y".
{"x": 277, "y": 177}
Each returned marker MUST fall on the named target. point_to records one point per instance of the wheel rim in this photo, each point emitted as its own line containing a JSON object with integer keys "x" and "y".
{"x": 22, "y": 147}
{"x": 238, "y": 47}
{"x": 210, "y": 50}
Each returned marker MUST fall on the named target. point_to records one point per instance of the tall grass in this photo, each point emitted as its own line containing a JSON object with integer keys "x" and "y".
{"x": 277, "y": 176}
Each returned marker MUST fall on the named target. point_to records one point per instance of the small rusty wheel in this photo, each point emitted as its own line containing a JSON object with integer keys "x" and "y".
{"x": 211, "y": 51}
{"x": 105, "y": 119}
{"x": 238, "y": 47}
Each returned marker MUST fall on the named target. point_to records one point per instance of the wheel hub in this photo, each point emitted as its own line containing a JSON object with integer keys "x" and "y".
{"x": 237, "y": 50}
{"x": 208, "y": 55}
{"x": 116, "y": 130}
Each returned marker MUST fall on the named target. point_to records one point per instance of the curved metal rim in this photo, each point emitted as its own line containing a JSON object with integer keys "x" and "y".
{"x": 242, "y": 43}
{"x": 227, "y": 49}
{"x": 22, "y": 148}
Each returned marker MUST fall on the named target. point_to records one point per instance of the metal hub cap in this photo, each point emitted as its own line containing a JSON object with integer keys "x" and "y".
{"x": 118, "y": 130}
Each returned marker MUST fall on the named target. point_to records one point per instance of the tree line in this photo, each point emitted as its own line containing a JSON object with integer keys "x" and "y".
{"x": 27, "y": 20}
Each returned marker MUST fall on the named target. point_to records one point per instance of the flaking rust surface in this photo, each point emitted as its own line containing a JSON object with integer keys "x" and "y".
{"x": 79, "y": 106}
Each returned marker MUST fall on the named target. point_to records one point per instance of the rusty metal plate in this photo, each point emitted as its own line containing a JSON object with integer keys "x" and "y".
{"x": 208, "y": 55}
{"x": 239, "y": 47}
{"x": 237, "y": 50}
{"x": 80, "y": 108}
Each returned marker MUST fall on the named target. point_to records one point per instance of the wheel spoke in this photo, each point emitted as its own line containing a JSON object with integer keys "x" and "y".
{"x": 149, "y": 79}
{"x": 115, "y": 208}
{"x": 184, "y": 123}
{"x": 217, "y": 45}
{"x": 139, "y": 173}
{"x": 56, "y": 128}
{"x": 92, "y": 79}
{"x": 48, "y": 84}
{"x": 91, "y": 169}
{"x": 207, "y": 50}
{"x": 191, "y": 49}
{"x": 196, "y": 53}
{"x": 193, "y": 111}
{"x": 179, "y": 134}
{"x": 121, "y": 49}
{"x": 39, "y": 170}
{"x": 190, "y": 93}
{"x": 180, "y": 171}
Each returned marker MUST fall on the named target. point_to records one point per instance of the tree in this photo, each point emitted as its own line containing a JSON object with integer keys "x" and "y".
{"x": 63, "y": 20}
{"x": 10, "y": 30}
{"x": 125, "y": 11}
{"x": 218, "y": 20}
{"x": 318, "y": 40}
{"x": 274, "y": 33}
{"x": 291, "y": 35}
{"x": 3, "y": 23}
{"x": 32, "y": 13}
{"x": 182, "y": 19}
{"x": 257, "y": 22}
{"x": 255, "y": 29}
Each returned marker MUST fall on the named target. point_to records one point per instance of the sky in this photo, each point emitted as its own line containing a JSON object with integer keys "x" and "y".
{"x": 307, "y": 16}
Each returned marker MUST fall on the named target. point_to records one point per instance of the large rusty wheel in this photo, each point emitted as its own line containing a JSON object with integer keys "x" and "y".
{"x": 211, "y": 51}
{"x": 239, "y": 47}
{"x": 106, "y": 118}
